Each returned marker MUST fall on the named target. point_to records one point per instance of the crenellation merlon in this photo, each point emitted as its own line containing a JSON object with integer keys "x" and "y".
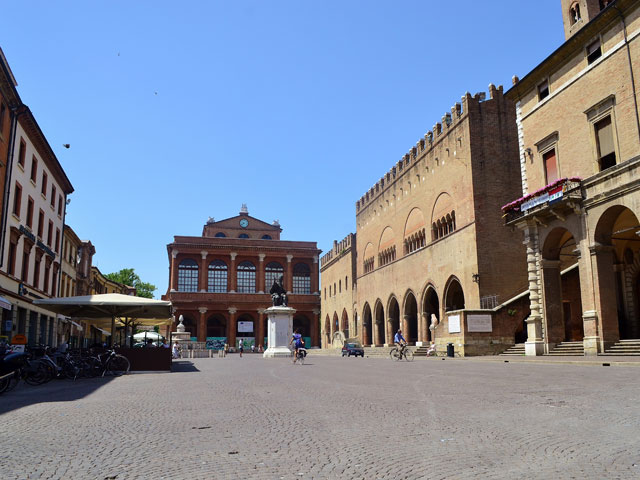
{"x": 431, "y": 139}
{"x": 337, "y": 249}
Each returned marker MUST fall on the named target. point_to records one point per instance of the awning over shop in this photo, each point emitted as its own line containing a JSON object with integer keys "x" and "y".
{"x": 4, "y": 303}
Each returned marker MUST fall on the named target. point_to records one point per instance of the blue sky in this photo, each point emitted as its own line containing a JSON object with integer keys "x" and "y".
{"x": 177, "y": 111}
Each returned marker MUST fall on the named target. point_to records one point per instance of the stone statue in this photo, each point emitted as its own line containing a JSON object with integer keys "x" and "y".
{"x": 278, "y": 293}
{"x": 434, "y": 322}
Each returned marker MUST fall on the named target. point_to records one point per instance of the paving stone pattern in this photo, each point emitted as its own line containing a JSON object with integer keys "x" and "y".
{"x": 333, "y": 418}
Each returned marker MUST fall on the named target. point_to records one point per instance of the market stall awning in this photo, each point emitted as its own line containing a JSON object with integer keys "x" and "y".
{"x": 4, "y": 303}
{"x": 111, "y": 308}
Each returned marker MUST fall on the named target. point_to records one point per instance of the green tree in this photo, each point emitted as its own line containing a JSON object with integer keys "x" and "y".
{"x": 127, "y": 276}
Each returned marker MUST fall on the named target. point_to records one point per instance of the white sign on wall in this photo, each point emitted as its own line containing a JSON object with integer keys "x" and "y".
{"x": 454, "y": 323}
{"x": 479, "y": 323}
{"x": 245, "y": 326}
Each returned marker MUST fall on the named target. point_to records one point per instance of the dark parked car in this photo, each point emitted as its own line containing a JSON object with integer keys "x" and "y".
{"x": 352, "y": 349}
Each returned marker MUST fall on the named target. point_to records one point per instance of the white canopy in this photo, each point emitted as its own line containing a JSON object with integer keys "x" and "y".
{"x": 102, "y": 310}
{"x": 147, "y": 335}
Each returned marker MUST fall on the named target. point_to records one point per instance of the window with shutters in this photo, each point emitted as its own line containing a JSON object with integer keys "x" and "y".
{"x": 543, "y": 90}
{"x": 550, "y": 166}
{"x": 594, "y": 51}
{"x": 604, "y": 143}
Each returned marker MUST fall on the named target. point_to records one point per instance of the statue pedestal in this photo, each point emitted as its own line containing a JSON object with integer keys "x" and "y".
{"x": 279, "y": 331}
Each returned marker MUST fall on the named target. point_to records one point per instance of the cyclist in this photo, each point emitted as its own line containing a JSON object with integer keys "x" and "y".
{"x": 400, "y": 342}
{"x": 299, "y": 343}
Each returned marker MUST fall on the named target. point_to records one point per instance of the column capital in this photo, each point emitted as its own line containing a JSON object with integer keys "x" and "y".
{"x": 261, "y": 256}
{"x": 260, "y": 311}
{"x": 315, "y": 311}
{"x": 233, "y": 310}
{"x": 202, "y": 309}
{"x": 204, "y": 254}
{"x": 289, "y": 258}
{"x": 233, "y": 255}
{"x": 174, "y": 253}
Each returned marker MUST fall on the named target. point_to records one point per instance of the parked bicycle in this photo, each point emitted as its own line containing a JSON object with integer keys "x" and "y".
{"x": 113, "y": 363}
{"x": 397, "y": 354}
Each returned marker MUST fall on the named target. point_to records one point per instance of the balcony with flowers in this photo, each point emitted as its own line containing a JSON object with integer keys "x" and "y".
{"x": 560, "y": 195}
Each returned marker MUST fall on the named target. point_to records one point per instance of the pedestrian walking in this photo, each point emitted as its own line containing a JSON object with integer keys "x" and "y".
{"x": 253, "y": 349}
{"x": 240, "y": 347}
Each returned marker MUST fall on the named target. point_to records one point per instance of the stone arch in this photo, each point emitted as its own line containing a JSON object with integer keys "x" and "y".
{"x": 344, "y": 323}
{"x": 453, "y": 295}
{"x": 562, "y": 302}
{"x": 217, "y": 325}
{"x": 443, "y": 205}
{"x": 335, "y": 325}
{"x": 190, "y": 324}
{"x": 618, "y": 279}
{"x": 327, "y": 331}
{"x": 431, "y": 309}
{"x": 379, "y": 328}
{"x": 301, "y": 322}
{"x": 367, "y": 325}
{"x": 410, "y": 317}
{"x": 393, "y": 318}
{"x": 369, "y": 258}
{"x": 386, "y": 247}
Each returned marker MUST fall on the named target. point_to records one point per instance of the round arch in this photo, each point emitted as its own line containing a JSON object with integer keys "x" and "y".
{"x": 190, "y": 325}
{"x": 431, "y": 309}
{"x": 410, "y": 317}
{"x": 367, "y": 324}
{"x": 393, "y": 318}
{"x": 454, "y": 295}
{"x": 379, "y": 329}
{"x": 301, "y": 322}
{"x": 217, "y": 326}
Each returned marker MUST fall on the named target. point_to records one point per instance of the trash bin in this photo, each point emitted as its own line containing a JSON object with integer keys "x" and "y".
{"x": 449, "y": 349}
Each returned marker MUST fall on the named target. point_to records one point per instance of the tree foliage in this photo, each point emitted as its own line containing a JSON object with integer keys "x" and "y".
{"x": 127, "y": 276}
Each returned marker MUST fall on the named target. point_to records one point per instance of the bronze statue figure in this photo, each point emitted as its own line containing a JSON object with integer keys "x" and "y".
{"x": 278, "y": 293}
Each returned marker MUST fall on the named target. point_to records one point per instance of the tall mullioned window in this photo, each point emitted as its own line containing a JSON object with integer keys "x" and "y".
{"x": 246, "y": 277}
{"x": 272, "y": 272}
{"x": 301, "y": 279}
{"x": 188, "y": 276}
{"x": 217, "y": 277}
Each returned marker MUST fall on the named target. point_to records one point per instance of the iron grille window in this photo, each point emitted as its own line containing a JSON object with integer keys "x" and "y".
{"x": 188, "y": 276}
{"x": 246, "y": 277}
{"x": 271, "y": 273}
{"x": 301, "y": 279}
{"x": 217, "y": 277}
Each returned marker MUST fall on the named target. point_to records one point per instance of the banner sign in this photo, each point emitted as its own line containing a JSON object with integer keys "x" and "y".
{"x": 454, "y": 323}
{"x": 216, "y": 343}
{"x": 479, "y": 323}
{"x": 245, "y": 326}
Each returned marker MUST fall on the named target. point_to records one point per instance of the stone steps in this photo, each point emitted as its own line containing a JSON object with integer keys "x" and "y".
{"x": 624, "y": 347}
{"x": 564, "y": 349}
{"x": 516, "y": 350}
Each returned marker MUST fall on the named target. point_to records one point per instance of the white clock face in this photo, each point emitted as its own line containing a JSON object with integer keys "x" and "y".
{"x": 244, "y": 223}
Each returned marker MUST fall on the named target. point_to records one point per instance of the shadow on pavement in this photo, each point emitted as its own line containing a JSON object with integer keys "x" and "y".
{"x": 24, "y": 395}
{"x": 183, "y": 366}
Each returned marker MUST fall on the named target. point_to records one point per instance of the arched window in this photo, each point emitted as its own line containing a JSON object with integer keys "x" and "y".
{"x": 266, "y": 237}
{"x": 272, "y": 272}
{"x": 220, "y": 234}
{"x": 340, "y": 286}
{"x": 301, "y": 279}
{"x": 345, "y": 283}
{"x": 217, "y": 280}
{"x": 243, "y": 235}
{"x": 246, "y": 277}
{"x": 188, "y": 276}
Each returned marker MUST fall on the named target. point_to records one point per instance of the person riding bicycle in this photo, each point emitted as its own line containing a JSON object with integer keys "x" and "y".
{"x": 400, "y": 342}
{"x": 299, "y": 343}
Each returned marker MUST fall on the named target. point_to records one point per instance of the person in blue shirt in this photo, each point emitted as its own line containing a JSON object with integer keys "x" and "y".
{"x": 298, "y": 342}
{"x": 400, "y": 342}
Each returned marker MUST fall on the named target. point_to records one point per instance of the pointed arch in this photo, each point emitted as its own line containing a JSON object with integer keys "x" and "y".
{"x": 344, "y": 323}
{"x": 367, "y": 325}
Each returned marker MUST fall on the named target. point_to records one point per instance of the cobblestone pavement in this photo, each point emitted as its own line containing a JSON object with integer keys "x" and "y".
{"x": 333, "y": 418}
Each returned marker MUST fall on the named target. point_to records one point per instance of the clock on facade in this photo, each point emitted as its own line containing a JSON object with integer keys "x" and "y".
{"x": 244, "y": 223}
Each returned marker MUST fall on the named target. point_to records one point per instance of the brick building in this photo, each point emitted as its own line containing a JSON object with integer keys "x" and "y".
{"x": 339, "y": 294}
{"x": 431, "y": 243}
{"x": 219, "y": 282}
{"x": 579, "y": 127}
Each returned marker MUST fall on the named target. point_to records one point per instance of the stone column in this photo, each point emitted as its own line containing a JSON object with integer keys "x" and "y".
{"x": 233, "y": 274}
{"x": 261, "y": 285}
{"x": 289, "y": 276}
{"x": 315, "y": 327}
{"x": 202, "y": 325}
{"x": 405, "y": 326}
{"x": 424, "y": 328}
{"x": 376, "y": 329}
{"x": 231, "y": 327}
{"x": 260, "y": 334}
{"x": 535, "y": 343}
{"x": 553, "y": 312}
{"x": 388, "y": 339}
{"x": 314, "y": 277}
{"x": 174, "y": 270}
{"x": 366, "y": 340}
{"x": 602, "y": 257}
{"x": 204, "y": 273}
